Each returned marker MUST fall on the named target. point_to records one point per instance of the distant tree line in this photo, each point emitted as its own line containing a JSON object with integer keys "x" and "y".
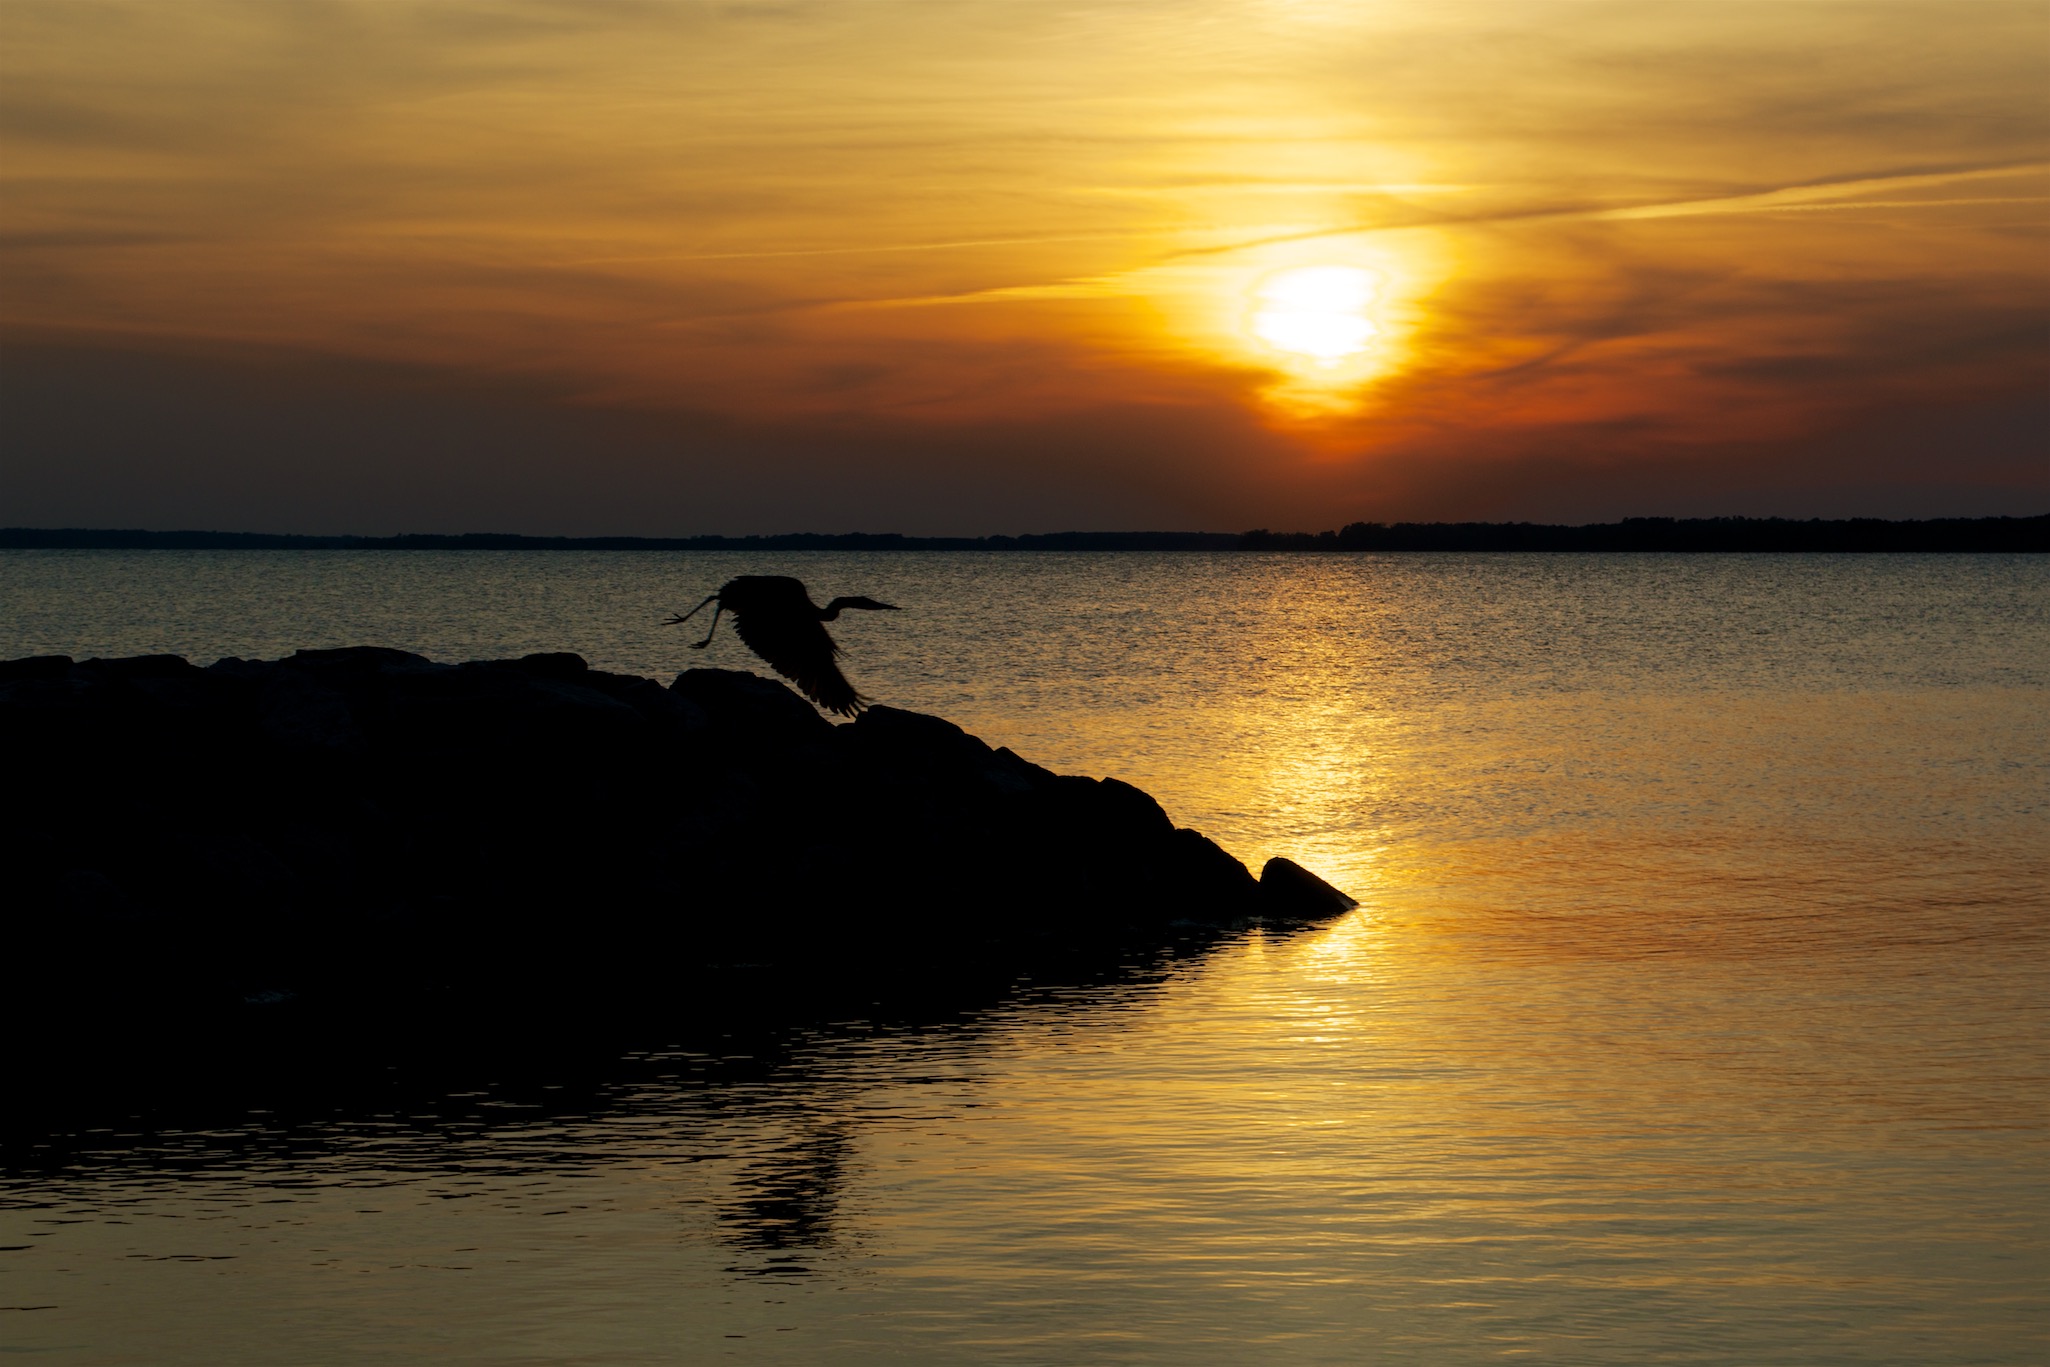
{"x": 33, "y": 538}
{"x": 1631, "y": 534}
{"x": 1674, "y": 534}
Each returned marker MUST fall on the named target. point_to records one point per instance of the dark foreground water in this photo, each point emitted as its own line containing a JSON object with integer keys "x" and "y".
{"x": 1696, "y": 1013}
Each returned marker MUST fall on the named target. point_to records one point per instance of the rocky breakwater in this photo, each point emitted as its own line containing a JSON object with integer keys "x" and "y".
{"x": 368, "y": 824}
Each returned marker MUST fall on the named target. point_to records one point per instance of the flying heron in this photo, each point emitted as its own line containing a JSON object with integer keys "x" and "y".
{"x": 780, "y": 623}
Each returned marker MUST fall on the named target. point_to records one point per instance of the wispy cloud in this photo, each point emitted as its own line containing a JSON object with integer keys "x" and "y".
{"x": 869, "y": 249}
{"x": 1824, "y": 195}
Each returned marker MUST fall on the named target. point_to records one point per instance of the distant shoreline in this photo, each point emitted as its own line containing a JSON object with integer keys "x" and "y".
{"x": 1640, "y": 534}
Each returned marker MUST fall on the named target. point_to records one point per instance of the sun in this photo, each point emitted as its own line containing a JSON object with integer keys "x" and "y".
{"x": 1309, "y": 328}
{"x": 1317, "y": 311}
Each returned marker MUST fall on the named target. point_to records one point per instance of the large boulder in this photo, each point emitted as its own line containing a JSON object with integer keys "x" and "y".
{"x": 367, "y": 821}
{"x": 1292, "y": 893}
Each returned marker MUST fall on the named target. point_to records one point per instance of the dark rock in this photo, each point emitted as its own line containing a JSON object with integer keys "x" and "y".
{"x": 737, "y": 701}
{"x": 236, "y": 867}
{"x": 927, "y": 742}
{"x": 559, "y": 664}
{"x": 1288, "y": 891}
{"x": 142, "y": 667}
{"x": 360, "y": 659}
{"x": 368, "y": 825}
{"x": 1017, "y": 770}
{"x": 298, "y": 713}
{"x": 1209, "y": 883}
{"x": 235, "y": 667}
{"x": 669, "y": 712}
{"x": 35, "y": 667}
{"x": 1130, "y": 810}
{"x": 95, "y": 899}
{"x": 503, "y": 716}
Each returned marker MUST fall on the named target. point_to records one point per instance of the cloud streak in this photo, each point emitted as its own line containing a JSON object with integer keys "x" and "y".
{"x": 1826, "y": 195}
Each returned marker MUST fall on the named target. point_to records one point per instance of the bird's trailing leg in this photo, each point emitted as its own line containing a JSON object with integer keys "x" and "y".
{"x": 678, "y": 619}
{"x": 700, "y": 645}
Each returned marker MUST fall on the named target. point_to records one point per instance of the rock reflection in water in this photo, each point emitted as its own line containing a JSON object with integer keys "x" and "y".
{"x": 784, "y": 1202}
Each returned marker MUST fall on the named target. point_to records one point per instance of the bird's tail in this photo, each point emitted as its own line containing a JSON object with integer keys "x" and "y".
{"x": 838, "y": 696}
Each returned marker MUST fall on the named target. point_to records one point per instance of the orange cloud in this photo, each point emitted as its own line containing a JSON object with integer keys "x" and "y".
{"x": 1654, "y": 237}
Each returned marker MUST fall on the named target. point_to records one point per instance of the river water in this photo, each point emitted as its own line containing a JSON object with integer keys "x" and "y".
{"x": 1696, "y": 1010}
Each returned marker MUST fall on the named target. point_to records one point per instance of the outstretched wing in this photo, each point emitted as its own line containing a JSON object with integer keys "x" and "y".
{"x": 800, "y": 650}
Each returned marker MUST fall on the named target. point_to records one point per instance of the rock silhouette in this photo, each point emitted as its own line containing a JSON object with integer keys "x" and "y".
{"x": 368, "y": 825}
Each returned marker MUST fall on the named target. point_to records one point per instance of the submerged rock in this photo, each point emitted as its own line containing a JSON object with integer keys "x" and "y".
{"x": 367, "y": 822}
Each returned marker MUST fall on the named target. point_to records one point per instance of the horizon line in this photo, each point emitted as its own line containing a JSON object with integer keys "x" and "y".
{"x": 1722, "y": 532}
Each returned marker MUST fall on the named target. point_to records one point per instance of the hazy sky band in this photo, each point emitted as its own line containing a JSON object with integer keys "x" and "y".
{"x": 649, "y": 268}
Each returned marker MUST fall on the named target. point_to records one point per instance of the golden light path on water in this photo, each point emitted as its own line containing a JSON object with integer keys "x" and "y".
{"x": 1694, "y": 1011}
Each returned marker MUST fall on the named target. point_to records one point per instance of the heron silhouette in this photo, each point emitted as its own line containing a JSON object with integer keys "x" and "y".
{"x": 780, "y": 623}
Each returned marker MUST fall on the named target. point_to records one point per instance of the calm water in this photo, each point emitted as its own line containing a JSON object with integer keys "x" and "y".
{"x": 1696, "y": 1011}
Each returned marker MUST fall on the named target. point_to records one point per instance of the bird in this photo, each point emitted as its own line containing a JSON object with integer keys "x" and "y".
{"x": 777, "y": 618}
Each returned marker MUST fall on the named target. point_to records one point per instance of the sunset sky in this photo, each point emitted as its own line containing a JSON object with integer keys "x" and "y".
{"x": 1019, "y": 266}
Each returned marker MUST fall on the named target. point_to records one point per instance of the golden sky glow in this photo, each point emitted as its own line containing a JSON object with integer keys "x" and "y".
{"x": 1009, "y": 266}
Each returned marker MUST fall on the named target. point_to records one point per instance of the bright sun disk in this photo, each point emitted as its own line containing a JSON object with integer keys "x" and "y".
{"x": 1317, "y": 311}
